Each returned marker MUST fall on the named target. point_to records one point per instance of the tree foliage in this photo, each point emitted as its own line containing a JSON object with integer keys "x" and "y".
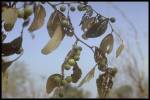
{"x": 59, "y": 25}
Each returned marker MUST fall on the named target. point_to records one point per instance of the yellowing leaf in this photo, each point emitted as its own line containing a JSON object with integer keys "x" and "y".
{"x": 39, "y": 16}
{"x": 76, "y": 73}
{"x": 51, "y": 83}
{"x": 88, "y": 77}
{"x": 119, "y": 50}
{"x": 10, "y": 15}
{"x": 53, "y": 21}
{"x": 54, "y": 42}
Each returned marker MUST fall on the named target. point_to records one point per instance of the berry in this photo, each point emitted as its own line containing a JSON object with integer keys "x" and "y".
{"x": 72, "y": 8}
{"x": 21, "y": 13}
{"x": 68, "y": 79}
{"x": 71, "y": 62}
{"x": 112, "y": 19}
{"x": 80, "y": 7}
{"x": 67, "y": 66}
{"x": 65, "y": 23}
{"x": 28, "y": 10}
{"x": 62, "y": 8}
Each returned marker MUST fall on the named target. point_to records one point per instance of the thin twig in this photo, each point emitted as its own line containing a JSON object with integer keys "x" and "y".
{"x": 84, "y": 43}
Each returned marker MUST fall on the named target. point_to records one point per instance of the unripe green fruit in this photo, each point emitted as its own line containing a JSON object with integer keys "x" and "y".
{"x": 62, "y": 8}
{"x": 72, "y": 8}
{"x": 76, "y": 57}
{"x": 65, "y": 23}
{"x": 71, "y": 62}
{"x": 21, "y": 13}
{"x": 57, "y": 79}
{"x": 67, "y": 66}
{"x": 112, "y": 19}
{"x": 8, "y": 26}
{"x": 64, "y": 82}
{"x": 28, "y": 10}
{"x": 68, "y": 79}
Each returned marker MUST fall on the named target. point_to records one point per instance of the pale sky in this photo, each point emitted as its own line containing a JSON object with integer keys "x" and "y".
{"x": 39, "y": 64}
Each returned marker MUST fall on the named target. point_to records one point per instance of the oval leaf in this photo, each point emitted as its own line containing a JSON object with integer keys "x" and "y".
{"x": 53, "y": 21}
{"x": 88, "y": 77}
{"x": 51, "y": 83}
{"x": 104, "y": 84}
{"x": 39, "y": 16}
{"x": 96, "y": 29}
{"x": 119, "y": 50}
{"x": 9, "y": 15}
{"x": 76, "y": 73}
{"x": 54, "y": 42}
{"x": 12, "y": 47}
{"x": 107, "y": 44}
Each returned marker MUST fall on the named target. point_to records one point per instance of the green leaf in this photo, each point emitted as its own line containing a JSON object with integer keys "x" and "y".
{"x": 76, "y": 73}
{"x": 119, "y": 50}
{"x": 55, "y": 41}
{"x": 88, "y": 77}
{"x": 52, "y": 83}
{"x": 39, "y": 16}
{"x": 107, "y": 44}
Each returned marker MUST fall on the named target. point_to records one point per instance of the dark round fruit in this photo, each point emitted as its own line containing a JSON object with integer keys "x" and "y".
{"x": 72, "y": 8}
{"x": 62, "y": 8}
{"x": 112, "y": 19}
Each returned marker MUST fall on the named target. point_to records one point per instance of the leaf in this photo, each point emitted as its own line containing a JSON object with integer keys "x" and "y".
{"x": 54, "y": 42}
{"x": 39, "y": 16}
{"x": 88, "y": 77}
{"x": 76, "y": 73}
{"x": 9, "y": 15}
{"x": 107, "y": 44}
{"x": 96, "y": 29}
{"x": 6, "y": 65}
{"x": 104, "y": 84}
{"x": 12, "y": 47}
{"x": 119, "y": 50}
{"x": 88, "y": 23}
{"x": 54, "y": 21}
{"x": 51, "y": 83}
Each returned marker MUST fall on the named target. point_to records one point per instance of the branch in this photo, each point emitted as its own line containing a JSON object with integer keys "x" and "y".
{"x": 84, "y": 43}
